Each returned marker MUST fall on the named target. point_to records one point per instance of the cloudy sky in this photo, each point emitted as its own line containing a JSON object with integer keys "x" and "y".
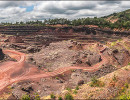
{"x": 12, "y": 11}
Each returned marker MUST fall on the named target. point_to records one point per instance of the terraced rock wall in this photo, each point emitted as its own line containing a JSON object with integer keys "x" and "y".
{"x": 27, "y": 30}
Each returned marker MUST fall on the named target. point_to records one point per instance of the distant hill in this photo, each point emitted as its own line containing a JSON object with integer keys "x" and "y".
{"x": 119, "y": 20}
{"x": 124, "y": 16}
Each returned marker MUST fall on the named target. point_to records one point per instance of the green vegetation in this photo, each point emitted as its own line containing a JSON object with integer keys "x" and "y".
{"x": 96, "y": 83}
{"x": 73, "y": 70}
{"x": 129, "y": 63}
{"x": 68, "y": 96}
{"x": 52, "y": 96}
{"x": 113, "y": 43}
{"x": 123, "y": 19}
{"x": 75, "y": 92}
{"x": 37, "y": 97}
{"x": 126, "y": 85}
{"x": 60, "y": 98}
{"x": 114, "y": 78}
{"x": 69, "y": 89}
{"x": 57, "y": 78}
{"x": 125, "y": 97}
{"x": 26, "y": 97}
{"x": 77, "y": 88}
{"x": 124, "y": 94}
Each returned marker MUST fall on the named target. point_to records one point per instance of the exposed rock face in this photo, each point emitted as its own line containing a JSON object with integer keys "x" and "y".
{"x": 43, "y": 87}
{"x": 88, "y": 57}
{"x": 121, "y": 56}
{"x": 77, "y": 29}
{"x": 60, "y": 54}
{"x": 32, "y": 49}
{"x": 15, "y": 39}
{"x": 94, "y": 58}
{"x": 20, "y": 89}
{"x": 1, "y": 54}
{"x": 55, "y": 55}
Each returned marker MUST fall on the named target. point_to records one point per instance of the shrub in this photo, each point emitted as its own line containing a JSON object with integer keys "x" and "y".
{"x": 73, "y": 70}
{"x": 26, "y": 97}
{"x": 124, "y": 97}
{"x": 114, "y": 78}
{"x": 60, "y": 98}
{"x": 37, "y": 97}
{"x": 75, "y": 92}
{"x": 77, "y": 88}
{"x": 126, "y": 85}
{"x": 123, "y": 89}
{"x": 57, "y": 78}
{"x": 52, "y": 96}
{"x": 96, "y": 83}
{"x": 68, "y": 96}
{"x": 69, "y": 89}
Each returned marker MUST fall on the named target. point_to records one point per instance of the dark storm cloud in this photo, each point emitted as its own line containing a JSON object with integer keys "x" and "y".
{"x": 54, "y": 10}
{"x": 110, "y": 2}
{"x": 70, "y": 12}
{"x": 87, "y": 6}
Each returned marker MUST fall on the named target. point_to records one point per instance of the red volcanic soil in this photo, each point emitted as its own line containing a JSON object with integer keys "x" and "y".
{"x": 11, "y": 72}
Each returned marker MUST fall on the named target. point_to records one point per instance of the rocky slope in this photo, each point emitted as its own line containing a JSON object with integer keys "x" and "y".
{"x": 64, "y": 54}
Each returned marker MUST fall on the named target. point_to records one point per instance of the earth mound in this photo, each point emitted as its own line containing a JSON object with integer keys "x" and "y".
{"x": 59, "y": 54}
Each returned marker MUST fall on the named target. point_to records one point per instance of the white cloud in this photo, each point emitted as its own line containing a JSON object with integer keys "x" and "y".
{"x": 11, "y": 11}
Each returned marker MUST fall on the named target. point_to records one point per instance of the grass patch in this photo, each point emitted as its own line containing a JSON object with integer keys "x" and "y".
{"x": 75, "y": 92}
{"x": 26, "y": 97}
{"x": 68, "y": 96}
{"x": 57, "y": 78}
{"x": 126, "y": 85}
{"x": 125, "y": 96}
{"x": 69, "y": 89}
{"x": 114, "y": 78}
{"x": 96, "y": 83}
{"x": 113, "y": 43}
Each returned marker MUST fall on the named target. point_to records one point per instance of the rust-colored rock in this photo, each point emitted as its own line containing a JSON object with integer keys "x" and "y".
{"x": 15, "y": 39}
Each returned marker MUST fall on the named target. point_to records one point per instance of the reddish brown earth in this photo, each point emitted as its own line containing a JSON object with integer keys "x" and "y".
{"x": 11, "y": 72}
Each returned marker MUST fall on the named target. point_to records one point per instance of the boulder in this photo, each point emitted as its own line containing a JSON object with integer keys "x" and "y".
{"x": 27, "y": 89}
{"x": 80, "y": 82}
{"x": 2, "y": 55}
{"x": 32, "y": 49}
{"x": 93, "y": 59}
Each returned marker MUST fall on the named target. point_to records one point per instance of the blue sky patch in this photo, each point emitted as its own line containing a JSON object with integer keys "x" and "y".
{"x": 28, "y": 8}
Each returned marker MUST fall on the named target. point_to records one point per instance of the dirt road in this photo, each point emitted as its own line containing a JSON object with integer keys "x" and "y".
{"x": 11, "y": 72}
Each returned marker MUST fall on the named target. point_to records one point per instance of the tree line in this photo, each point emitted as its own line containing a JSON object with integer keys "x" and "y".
{"x": 101, "y": 22}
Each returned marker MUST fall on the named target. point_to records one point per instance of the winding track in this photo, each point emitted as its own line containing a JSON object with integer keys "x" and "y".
{"x": 7, "y": 69}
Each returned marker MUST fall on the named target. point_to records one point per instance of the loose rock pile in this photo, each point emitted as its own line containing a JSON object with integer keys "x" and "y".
{"x": 59, "y": 54}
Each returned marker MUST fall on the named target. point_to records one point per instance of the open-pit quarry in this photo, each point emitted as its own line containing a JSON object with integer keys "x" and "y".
{"x": 50, "y": 60}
